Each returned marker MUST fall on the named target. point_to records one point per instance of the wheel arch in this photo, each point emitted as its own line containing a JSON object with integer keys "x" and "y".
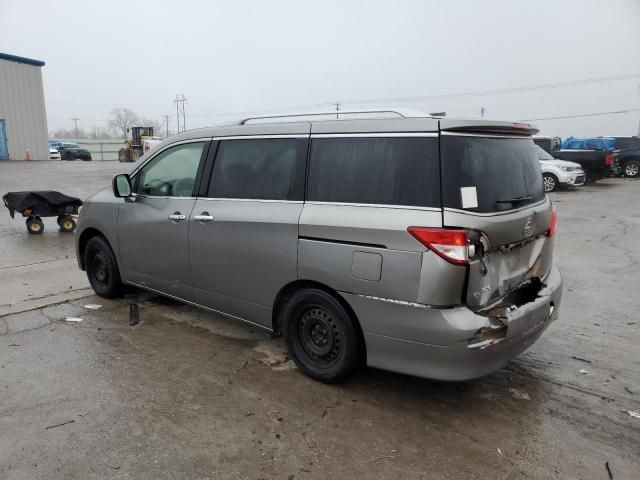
{"x": 86, "y": 235}
{"x": 285, "y": 294}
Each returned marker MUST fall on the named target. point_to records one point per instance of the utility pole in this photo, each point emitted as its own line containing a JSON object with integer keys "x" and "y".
{"x": 76, "y": 122}
{"x": 180, "y": 101}
{"x": 166, "y": 119}
{"x": 337, "y": 104}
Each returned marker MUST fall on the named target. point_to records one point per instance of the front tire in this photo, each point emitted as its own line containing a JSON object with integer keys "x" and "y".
{"x": 321, "y": 336}
{"x": 632, "y": 168}
{"x": 550, "y": 182}
{"x": 102, "y": 268}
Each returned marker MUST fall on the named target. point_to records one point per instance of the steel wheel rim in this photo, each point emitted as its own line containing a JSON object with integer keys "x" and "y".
{"x": 549, "y": 184}
{"x": 67, "y": 224}
{"x": 35, "y": 227}
{"x": 100, "y": 268}
{"x": 319, "y": 336}
{"x": 631, "y": 170}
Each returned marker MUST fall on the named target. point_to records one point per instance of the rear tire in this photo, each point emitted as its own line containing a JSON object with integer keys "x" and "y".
{"x": 631, "y": 168}
{"x": 550, "y": 182}
{"x": 102, "y": 268}
{"x": 35, "y": 226}
{"x": 321, "y": 336}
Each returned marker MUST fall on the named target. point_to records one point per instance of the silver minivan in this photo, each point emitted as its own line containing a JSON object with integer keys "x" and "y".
{"x": 415, "y": 244}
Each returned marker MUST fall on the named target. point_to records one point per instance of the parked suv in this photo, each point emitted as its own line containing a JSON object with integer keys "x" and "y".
{"x": 418, "y": 245}
{"x": 559, "y": 173}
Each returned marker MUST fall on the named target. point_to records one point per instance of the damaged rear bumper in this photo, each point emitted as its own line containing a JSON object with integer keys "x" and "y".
{"x": 456, "y": 343}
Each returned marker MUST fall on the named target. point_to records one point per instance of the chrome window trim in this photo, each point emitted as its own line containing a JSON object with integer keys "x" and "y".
{"x": 494, "y": 214}
{"x": 262, "y": 137}
{"x": 224, "y": 199}
{"x": 171, "y": 145}
{"x": 141, "y": 195}
{"x": 375, "y": 135}
{"x": 377, "y": 205}
{"x": 486, "y": 135}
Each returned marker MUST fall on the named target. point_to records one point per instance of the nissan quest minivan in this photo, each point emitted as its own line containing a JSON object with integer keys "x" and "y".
{"x": 415, "y": 244}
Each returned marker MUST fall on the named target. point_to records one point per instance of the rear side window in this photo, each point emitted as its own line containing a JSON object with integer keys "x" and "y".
{"x": 380, "y": 170}
{"x": 487, "y": 174}
{"x": 263, "y": 169}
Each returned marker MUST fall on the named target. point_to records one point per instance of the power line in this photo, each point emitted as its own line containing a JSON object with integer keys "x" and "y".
{"x": 502, "y": 91}
{"x": 615, "y": 112}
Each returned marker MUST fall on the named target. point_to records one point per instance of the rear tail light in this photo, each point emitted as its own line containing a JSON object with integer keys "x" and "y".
{"x": 554, "y": 221}
{"x": 452, "y": 245}
{"x": 608, "y": 160}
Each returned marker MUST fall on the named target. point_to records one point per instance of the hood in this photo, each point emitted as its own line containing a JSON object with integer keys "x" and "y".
{"x": 562, "y": 163}
{"x": 102, "y": 196}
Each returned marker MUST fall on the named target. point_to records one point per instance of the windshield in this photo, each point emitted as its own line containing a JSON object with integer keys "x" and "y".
{"x": 542, "y": 154}
{"x": 489, "y": 174}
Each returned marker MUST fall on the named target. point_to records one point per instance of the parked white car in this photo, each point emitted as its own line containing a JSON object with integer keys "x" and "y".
{"x": 559, "y": 173}
{"x": 54, "y": 154}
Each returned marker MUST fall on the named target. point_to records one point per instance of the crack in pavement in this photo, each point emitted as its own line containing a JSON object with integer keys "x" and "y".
{"x": 36, "y": 263}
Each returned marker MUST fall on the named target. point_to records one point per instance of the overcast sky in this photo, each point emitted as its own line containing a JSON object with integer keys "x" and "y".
{"x": 231, "y": 58}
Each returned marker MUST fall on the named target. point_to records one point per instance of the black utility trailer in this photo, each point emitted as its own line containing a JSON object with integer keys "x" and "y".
{"x": 46, "y": 203}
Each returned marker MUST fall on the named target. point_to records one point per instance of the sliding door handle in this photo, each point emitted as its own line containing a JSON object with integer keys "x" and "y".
{"x": 203, "y": 217}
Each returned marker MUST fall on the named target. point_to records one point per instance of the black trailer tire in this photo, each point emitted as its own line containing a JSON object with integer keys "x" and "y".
{"x": 550, "y": 182}
{"x": 321, "y": 336}
{"x": 67, "y": 224}
{"x": 102, "y": 268}
{"x": 631, "y": 168}
{"x": 35, "y": 226}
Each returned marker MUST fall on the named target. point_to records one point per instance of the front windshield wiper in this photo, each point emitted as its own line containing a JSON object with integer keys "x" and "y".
{"x": 516, "y": 200}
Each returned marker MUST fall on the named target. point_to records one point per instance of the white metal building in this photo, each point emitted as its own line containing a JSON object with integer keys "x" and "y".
{"x": 23, "y": 118}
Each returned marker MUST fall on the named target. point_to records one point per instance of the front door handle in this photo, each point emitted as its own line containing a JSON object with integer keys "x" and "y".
{"x": 177, "y": 217}
{"x": 203, "y": 217}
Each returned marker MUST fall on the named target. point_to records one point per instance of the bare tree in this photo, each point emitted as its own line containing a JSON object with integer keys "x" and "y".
{"x": 99, "y": 133}
{"x": 121, "y": 120}
{"x": 68, "y": 133}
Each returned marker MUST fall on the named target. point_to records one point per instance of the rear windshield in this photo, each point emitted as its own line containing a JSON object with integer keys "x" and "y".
{"x": 489, "y": 174}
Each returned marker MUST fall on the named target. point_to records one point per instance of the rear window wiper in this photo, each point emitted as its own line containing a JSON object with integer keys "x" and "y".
{"x": 516, "y": 200}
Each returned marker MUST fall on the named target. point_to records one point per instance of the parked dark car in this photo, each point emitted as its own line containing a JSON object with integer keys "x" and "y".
{"x": 596, "y": 164}
{"x": 629, "y": 161}
{"x": 76, "y": 154}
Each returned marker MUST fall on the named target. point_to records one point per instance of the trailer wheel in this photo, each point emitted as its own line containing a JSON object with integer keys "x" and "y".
{"x": 66, "y": 224}
{"x": 35, "y": 225}
{"x": 135, "y": 156}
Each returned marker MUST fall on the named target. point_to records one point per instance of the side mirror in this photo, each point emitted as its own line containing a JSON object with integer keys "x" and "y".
{"x": 122, "y": 186}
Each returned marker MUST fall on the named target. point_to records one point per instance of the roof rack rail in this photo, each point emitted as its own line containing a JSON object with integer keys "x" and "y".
{"x": 403, "y": 113}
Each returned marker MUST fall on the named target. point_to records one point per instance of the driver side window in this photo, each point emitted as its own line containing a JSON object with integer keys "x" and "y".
{"x": 171, "y": 173}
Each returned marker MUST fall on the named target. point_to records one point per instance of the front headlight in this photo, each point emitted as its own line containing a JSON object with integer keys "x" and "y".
{"x": 566, "y": 169}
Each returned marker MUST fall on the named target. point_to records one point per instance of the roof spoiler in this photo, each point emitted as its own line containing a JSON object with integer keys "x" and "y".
{"x": 488, "y": 126}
